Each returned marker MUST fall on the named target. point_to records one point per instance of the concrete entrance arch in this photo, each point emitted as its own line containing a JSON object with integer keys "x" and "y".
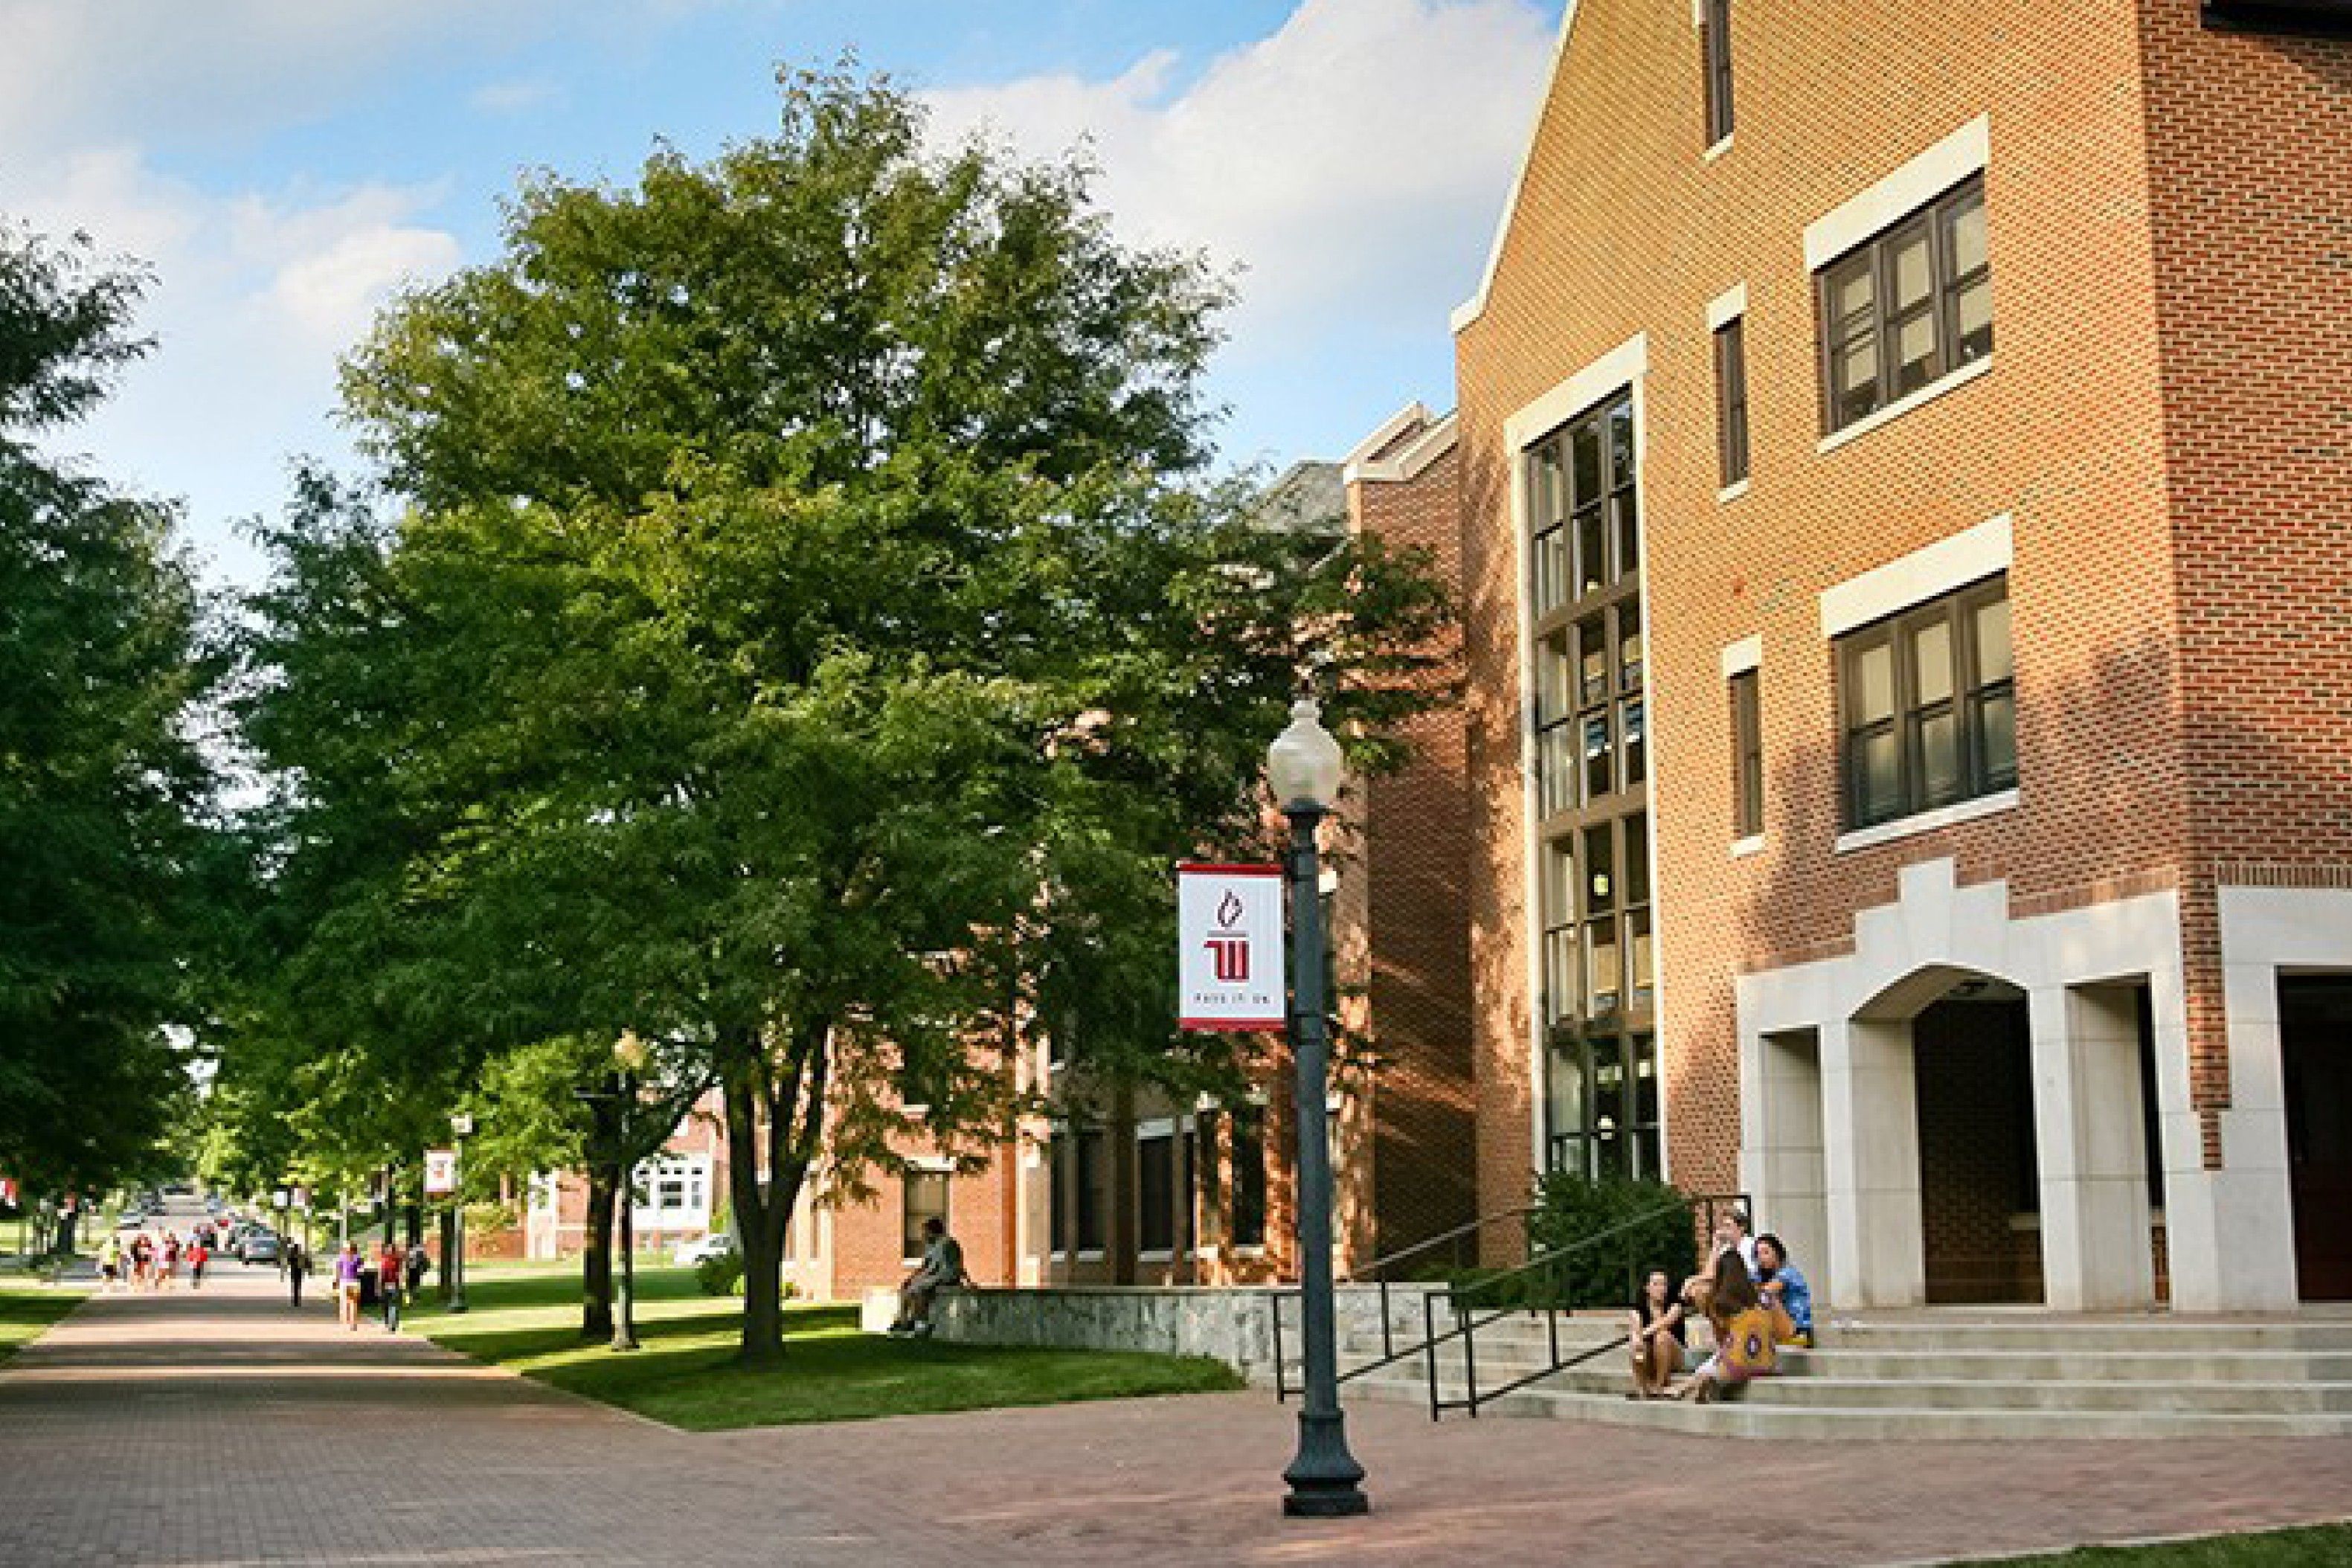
{"x": 1829, "y": 1122}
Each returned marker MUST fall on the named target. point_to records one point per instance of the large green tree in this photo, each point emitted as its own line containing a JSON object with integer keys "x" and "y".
{"x": 802, "y": 645}
{"x": 102, "y": 790}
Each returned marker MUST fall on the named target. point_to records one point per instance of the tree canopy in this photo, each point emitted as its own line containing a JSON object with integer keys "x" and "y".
{"x": 103, "y": 792}
{"x": 801, "y": 638}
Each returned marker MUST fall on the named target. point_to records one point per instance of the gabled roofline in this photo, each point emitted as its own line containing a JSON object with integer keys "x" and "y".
{"x": 1410, "y": 416}
{"x": 1408, "y": 461}
{"x": 1470, "y": 309}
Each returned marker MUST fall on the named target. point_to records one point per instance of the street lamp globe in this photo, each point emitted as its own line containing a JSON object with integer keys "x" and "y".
{"x": 1304, "y": 763}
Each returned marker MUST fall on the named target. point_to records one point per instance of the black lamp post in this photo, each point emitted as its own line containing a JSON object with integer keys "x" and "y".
{"x": 1303, "y": 766}
{"x": 460, "y": 1127}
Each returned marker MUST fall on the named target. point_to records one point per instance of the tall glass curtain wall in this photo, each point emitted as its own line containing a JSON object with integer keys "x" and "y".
{"x": 1596, "y": 976}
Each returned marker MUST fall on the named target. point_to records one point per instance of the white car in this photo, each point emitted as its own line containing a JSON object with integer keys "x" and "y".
{"x": 707, "y": 1248}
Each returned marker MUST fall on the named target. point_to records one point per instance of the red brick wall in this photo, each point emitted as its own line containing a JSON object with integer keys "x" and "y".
{"x": 1415, "y": 844}
{"x": 1622, "y": 228}
{"x": 2251, "y": 175}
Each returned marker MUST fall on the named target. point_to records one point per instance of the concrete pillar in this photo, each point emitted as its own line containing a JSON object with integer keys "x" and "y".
{"x": 1783, "y": 1165}
{"x": 1870, "y": 1144}
{"x": 2230, "y": 1233}
{"x": 2090, "y": 1145}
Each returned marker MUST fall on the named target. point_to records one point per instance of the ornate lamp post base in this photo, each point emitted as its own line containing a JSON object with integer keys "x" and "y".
{"x": 1323, "y": 1478}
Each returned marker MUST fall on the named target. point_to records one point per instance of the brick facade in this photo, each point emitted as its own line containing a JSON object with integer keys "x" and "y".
{"x": 2162, "y": 423}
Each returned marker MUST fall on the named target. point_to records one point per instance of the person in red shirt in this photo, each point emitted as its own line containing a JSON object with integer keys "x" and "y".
{"x": 197, "y": 1253}
{"x": 391, "y": 1283}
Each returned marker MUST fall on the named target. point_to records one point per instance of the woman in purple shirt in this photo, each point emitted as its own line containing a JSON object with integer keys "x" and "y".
{"x": 347, "y": 1286}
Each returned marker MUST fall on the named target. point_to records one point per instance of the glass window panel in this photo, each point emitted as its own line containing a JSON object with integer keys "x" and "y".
{"x": 1593, "y": 656}
{"x": 1560, "y": 974}
{"x": 1556, "y": 769}
{"x": 1646, "y": 1159}
{"x": 1608, "y": 1085}
{"x": 1997, "y": 720}
{"x": 1601, "y": 970}
{"x": 1940, "y": 773}
{"x": 1568, "y": 1100}
{"x": 1873, "y": 671}
{"x": 1553, "y": 575}
{"x": 1550, "y": 505}
{"x": 1621, "y": 444}
{"x": 1584, "y": 444}
{"x": 1637, "y": 859}
{"x": 1915, "y": 352}
{"x": 1629, "y": 645}
{"x": 1558, "y": 882}
{"x": 1592, "y": 550}
{"x": 1628, "y": 533}
{"x": 1637, "y": 747}
{"x": 1155, "y": 1194}
{"x": 1645, "y": 1082}
{"x": 1912, "y": 266}
{"x": 1994, "y": 660}
{"x": 1857, "y": 378}
{"x": 1931, "y": 662}
{"x": 1600, "y": 775}
{"x": 1553, "y": 672}
{"x": 1880, "y": 775}
{"x": 1637, "y": 941}
{"x": 1974, "y": 312}
{"x": 1599, "y": 871}
{"x": 1967, "y": 218}
{"x": 1854, "y": 293}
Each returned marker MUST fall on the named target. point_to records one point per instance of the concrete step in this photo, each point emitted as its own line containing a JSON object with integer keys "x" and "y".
{"x": 1499, "y": 1362}
{"x": 1748, "y": 1417}
{"x": 2068, "y": 1335}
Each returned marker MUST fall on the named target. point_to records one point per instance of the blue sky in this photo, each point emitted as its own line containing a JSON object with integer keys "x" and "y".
{"x": 285, "y": 165}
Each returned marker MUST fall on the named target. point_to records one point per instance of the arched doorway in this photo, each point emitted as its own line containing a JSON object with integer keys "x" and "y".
{"x": 1980, "y": 1186}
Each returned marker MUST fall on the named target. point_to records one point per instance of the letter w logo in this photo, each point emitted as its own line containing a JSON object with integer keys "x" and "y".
{"x": 1229, "y": 956}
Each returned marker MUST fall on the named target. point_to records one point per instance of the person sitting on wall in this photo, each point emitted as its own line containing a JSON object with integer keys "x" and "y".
{"x": 1744, "y": 1347}
{"x": 1654, "y": 1334}
{"x": 941, "y": 1269}
{"x": 1784, "y": 1290}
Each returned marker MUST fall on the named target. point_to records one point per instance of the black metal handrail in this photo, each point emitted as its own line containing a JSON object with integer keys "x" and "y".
{"x": 1379, "y": 1272}
{"x": 1553, "y": 1264}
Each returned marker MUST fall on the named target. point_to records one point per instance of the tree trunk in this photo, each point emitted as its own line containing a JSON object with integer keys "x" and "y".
{"x": 760, "y": 1245}
{"x": 597, "y": 1258}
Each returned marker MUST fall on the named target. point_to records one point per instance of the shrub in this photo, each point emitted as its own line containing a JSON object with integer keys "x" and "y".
{"x": 721, "y": 1276}
{"x": 1641, "y": 1225}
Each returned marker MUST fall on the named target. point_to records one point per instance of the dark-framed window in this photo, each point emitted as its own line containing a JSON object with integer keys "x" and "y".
{"x": 2318, "y": 18}
{"x": 1929, "y": 706}
{"x": 1155, "y": 1191}
{"x": 1731, "y": 400}
{"x": 1748, "y": 755}
{"x": 1715, "y": 47}
{"x": 1601, "y": 1103}
{"x": 923, "y": 1196}
{"x": 1057, "y": 1192}
{"x": 1599, "y": 958}
{"x": 1249, "y": 1175}
{"x": 1093, "y": 1189}
{"x": 1906, "y": 309}
{"x": 1188, "y": 1192}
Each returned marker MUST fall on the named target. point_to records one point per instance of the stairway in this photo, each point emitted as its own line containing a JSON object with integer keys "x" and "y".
{"x": 1936, "y": 1375}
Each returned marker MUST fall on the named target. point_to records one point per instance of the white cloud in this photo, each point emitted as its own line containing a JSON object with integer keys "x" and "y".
{"x": 255, "y": 298}
{"x": 517, "y": 95}
{"x": 1354, "y": 162}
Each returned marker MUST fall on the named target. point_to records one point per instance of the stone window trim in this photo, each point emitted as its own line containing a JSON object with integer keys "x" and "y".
{"x": 1904, "y": 309}
{"x": 1900, "y": 193}
{"x": 1921, "y": 822}
{"x": 1931, "y": 572}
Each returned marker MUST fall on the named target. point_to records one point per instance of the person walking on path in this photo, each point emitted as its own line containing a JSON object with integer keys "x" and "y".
{"x": 296, "y": 1264}
{"x": 109, "y": 1263}
{"x": 347, "y": 1286}
{"x": 390, "y": 1283}
{"x": 197, "y": 1253}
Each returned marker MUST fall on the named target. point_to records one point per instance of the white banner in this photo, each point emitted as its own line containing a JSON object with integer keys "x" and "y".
{"x": 1229, "y": 947}
{"x": 440, "y": 1172}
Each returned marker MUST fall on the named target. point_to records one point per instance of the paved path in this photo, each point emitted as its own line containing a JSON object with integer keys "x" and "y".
{"x": 224, "y": 1429}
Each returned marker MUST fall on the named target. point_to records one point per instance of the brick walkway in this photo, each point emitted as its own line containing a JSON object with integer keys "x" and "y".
{"x": 225, "y": 1429}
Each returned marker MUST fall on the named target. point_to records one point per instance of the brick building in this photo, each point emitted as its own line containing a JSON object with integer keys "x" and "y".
{"x": 1905, "y": 474}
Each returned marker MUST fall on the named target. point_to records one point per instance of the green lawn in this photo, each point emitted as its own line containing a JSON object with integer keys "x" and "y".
{"x": 686, "y": 1375}
{"x": 25, "y": 1312}
{"x": 2314, "y": 1548}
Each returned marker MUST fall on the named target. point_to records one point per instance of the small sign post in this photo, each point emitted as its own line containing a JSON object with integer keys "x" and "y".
{"x": 440, "y": 1172}
{"x": 1229, "y": 947}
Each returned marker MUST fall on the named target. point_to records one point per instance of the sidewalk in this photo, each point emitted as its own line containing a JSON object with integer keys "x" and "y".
{"x": 222, "y": 1427}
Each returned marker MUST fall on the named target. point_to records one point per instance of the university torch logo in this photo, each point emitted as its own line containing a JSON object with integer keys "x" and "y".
{"x": 1229, "y": 950}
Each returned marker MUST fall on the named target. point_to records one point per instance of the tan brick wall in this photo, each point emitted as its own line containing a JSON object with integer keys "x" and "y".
{"x": 1622, "y": 227}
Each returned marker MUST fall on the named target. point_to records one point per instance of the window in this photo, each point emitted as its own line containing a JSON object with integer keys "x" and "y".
{"x": 1715, "y": 44}
{"x": 1731, "y": 401}
{"x": 1093, "y": 1180}
{"x": 1597, "y": 959}
{"x": 1249, "y": 1175}
{"x": 671, "y": 1192}
{"x": 1590, "y": 713}
{"x": 1155, "y": 1190}
{"x": 1058, "y": 1192}
{"x": 1906, "y": 308}
{"x": 1747, "y": 755}
{"x": 1930, "y": 706}
{"x": 924, "y": 1198}
{"x": 1188, "y": 1176}
{"x": 1602, "y": 1104}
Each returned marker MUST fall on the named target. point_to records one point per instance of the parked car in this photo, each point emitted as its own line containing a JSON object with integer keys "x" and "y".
{"x": 709, "y": 1246}
{"x": 258, "y": 1246}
